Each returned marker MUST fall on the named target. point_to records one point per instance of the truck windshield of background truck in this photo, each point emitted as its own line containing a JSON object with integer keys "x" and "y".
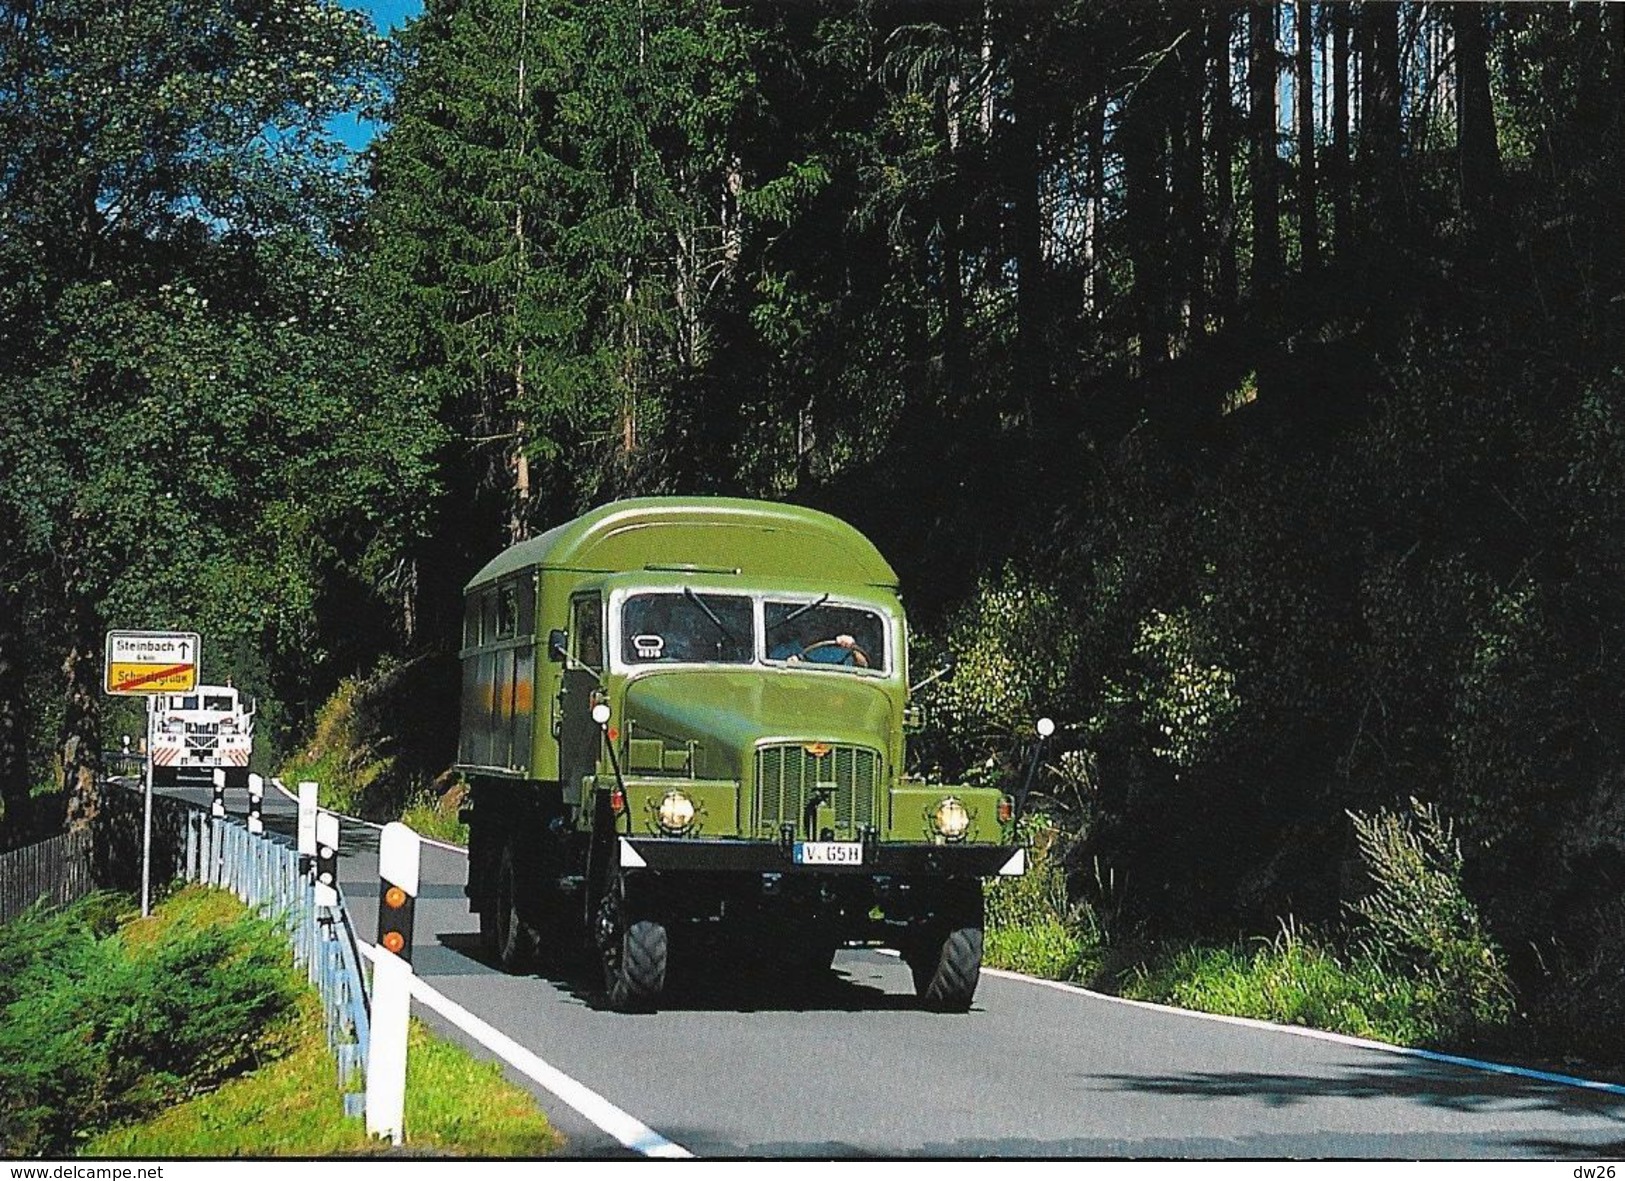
{"x": 686, "y": 627}
{"x": 825, "y": 634}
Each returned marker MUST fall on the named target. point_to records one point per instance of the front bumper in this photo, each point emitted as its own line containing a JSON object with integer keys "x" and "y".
{"x": 697, "y": 855}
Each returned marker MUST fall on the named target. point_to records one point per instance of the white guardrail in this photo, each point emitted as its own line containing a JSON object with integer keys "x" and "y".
{"x": 296, "y": 884}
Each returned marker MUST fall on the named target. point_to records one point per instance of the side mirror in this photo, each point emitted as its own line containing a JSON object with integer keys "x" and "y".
{"x": 943, "y": 673}
{"x": 558, "y": 645}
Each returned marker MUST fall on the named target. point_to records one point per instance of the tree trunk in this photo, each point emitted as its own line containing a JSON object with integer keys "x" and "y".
{"x": 1304, "y": 106}
{"x": 1142, "y": 141}
{"x": 1338, "y": 171}
{"x": 1476, "y": 148}
{"x": 1032, "y": 369}
{"x": 81, "y": 745}
{"x": 14, "y": 718}
{"x": 1224, "y": 148}
{"x": 1265, "y": 159}
{"x": 1095, "y": 187}
{"x": 1379, "y": 112}
{"x": 1189, "y": 194}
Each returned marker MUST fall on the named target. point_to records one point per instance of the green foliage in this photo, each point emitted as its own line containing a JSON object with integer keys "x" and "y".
{"x": 99, "y": 1027}
{"x": 455, "y": 1106}
{"x": 1178, "y": 693}
{"x": 433, "y": 813}
{"x": 1418, "y": 915}
{"x": 1032, "y": 925}
{"x": 381, "y": 743}
{"x": 1296, "y": 979}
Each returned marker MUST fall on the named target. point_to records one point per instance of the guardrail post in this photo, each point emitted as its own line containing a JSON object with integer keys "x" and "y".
{"x": 398, "y": 853}
{"x": 256, "y": 801}
{"x": 307, "y": 827}
{"x": 327, "y": 860}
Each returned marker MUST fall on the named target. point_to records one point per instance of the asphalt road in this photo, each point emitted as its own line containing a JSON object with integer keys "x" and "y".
{"x": 738, "y": 1065}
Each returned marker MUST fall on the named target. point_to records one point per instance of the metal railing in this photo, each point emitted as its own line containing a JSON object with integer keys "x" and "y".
{"x": 266, "y": 873}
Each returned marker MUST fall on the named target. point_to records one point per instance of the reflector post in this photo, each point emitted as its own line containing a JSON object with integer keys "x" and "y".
{"x": 256, "y": 803}
{"x": 218, "y": 806}
{"x": 327, "y": 859}
{"x": 398, "y": 852}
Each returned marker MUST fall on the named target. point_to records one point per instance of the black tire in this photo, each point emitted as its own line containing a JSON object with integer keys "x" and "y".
{"x": 946, "y": 969}
{"x": 635, "y": 955}
{"x": 812, "y": 960}
{"x": 513, "y": 940}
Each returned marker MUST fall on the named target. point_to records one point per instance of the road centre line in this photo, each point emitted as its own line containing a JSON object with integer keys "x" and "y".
{"x": 629, "y": 1131}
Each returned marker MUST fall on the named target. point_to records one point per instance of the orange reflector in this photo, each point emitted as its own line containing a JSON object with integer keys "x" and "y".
{"x": 614, "y": 734}
{"x": 617, "y": 801}
{"x": 817, "y": 749}
{"x": 394, "y": 941}
{"x": 1007, "y": 809}
{"x": 394, "y": 896}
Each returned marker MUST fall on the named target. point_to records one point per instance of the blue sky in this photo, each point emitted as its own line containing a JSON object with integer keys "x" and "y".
{"x": 387, "y": 15}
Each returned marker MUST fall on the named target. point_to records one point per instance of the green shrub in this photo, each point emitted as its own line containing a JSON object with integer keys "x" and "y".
{"x": 1418, "y": 917}
{"x": 98, "y": 1027}
{"x": 1031, "y": 924}
{"x": 1296, "y": 979}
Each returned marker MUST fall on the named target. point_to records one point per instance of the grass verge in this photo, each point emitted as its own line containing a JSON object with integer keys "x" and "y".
{"x": 455, "y": 1106}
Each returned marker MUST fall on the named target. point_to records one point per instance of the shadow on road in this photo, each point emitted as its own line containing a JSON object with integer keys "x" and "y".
{"x": 712, "y": 983}
{"x": 1435, "y": 1084}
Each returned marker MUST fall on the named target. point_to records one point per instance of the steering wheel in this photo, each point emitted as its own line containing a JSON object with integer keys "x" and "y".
{"x": 851, "y": 653}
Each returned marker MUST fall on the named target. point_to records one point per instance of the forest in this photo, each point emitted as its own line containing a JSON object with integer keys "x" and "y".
{"x": 1239, "y": 385}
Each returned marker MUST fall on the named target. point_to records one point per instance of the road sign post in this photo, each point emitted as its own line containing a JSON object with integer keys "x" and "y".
{"x": 149, "y": 664}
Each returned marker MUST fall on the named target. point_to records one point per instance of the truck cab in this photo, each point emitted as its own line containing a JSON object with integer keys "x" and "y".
{"x": 683, "y": 719}
{"x": 194, "y": 733}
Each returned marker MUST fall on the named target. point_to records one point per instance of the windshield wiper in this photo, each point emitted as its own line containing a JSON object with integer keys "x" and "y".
{"x": 797, "y": 613}
{"x": 688, "y": 593}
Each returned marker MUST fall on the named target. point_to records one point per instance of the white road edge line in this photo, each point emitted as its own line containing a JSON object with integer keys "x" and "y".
{"x": 629, "y": 1131}
{"x": 1342, "y": 1039}
{"x": 1321, "y": 1035}
{"x": 447, "y": 845}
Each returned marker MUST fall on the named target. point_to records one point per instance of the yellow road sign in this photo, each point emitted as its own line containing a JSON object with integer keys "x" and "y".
{"x": 141, "y": 663}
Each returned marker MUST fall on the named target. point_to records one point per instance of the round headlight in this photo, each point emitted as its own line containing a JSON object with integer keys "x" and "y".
{"x": 676, "y": 812}
{"x": 951, "y": 820}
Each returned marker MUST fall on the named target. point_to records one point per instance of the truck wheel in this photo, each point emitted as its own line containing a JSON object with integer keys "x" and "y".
{"x": 635, "y": 954}
{"x": 812, "y": 960}
{"x": 513, "y": 938}
{"x": 947, "y": 968}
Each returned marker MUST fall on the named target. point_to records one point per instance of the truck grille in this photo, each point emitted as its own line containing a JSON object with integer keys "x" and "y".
{"x": 788, "y": 774}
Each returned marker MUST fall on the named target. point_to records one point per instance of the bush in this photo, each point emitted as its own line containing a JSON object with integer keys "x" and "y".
{"x": 1418, "y": 916}
{"x": 1297, "y": 979}
{"x": 99, "y": 1027}
{"x": 1032, "y": 926}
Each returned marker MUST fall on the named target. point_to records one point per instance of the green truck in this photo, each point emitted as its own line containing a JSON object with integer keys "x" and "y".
{"x": 683, "y": 720}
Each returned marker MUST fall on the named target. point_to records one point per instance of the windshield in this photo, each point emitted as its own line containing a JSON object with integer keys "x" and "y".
{"x": 685, "y": 626}
{"x": 822, "y": 633}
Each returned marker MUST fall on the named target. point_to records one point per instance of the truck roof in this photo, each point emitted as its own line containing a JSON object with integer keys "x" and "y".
{"x": 756, "y": 537}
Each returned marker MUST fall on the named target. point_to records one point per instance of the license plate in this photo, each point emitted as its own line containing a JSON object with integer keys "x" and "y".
{"x": 829, "y": 853}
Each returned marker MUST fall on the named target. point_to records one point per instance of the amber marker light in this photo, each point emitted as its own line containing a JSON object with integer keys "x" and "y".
{"x": 1007, "y": 809}
{"x": 395, "y": 897}
{"x": 394, "y": 941}
{"x": 617, "y": 801}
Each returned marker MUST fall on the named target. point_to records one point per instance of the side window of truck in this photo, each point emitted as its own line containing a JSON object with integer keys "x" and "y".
{"x": 507, "y": 611}
{"x": 587, "y": 630}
